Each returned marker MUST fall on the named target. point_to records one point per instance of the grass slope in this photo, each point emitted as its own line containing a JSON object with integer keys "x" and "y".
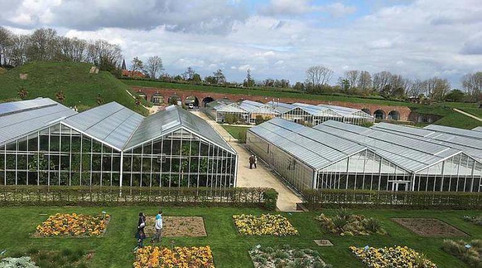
{"x": 229, "y": 248}
{"x": 45, "y": 79}
{"x": 238, "y": 132}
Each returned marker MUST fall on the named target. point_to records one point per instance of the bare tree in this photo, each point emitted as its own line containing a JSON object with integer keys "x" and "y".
{"x": 436, "y": 88}
{"x": 352, "y": 76}
{"x": 17, "y": 50}
{"x": 472, "y": 83}
{"x": 5, "y": 42}
{"x": 154, "y": 66}
{"x": 43, "y": 45}
{"x": 318, "y": 75}
{"x": 364, "y": 82}
{"x": 381, "y": 80}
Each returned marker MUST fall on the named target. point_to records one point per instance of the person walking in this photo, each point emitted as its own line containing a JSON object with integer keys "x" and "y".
{"x": 140, "y": 234}
{"x": 255, "y": 161}
{"x": 251, "y": 161}
{"x": 158, "y": 226}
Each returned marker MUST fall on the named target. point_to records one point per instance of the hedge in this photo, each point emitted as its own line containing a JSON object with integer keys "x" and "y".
{"x": 317, "y": 199}
{"x": 126, "y": 196}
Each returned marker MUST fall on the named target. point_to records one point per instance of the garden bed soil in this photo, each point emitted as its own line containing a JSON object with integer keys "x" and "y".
{"x": 429, "y": 227}
{"x": 174, "y": 226}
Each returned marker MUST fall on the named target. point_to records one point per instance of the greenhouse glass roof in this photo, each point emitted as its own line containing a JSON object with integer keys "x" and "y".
{"x": 455, "y": 131}
{"x": 111, "y": 123}
{"x": 256, "y": 107}
{"x": 21, "y": 118}
{"x": 317, "y": 110}
{"x": 471, "y": 147}
{"x": 409, "y": 153}
{"x": 315, "y": 148}
{"x": 477, "y": 129}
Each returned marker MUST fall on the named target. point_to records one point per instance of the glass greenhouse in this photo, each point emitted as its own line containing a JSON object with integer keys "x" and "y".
{"x": 336, "y": 155}
{"x": 45, "y": 143}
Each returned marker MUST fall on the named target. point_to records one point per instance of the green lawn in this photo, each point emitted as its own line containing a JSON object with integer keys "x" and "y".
{"x": 229, "y": 248}
{"x": 238, "y": 132}
{"x": 80, "y": 87}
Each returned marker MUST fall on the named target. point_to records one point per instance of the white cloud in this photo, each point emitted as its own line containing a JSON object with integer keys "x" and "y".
{"x": 416, "y": 39}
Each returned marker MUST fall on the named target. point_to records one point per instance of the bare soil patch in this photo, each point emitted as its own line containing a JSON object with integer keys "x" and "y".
{"x": 429, "y": 227}
{"x": 177, "y": 226}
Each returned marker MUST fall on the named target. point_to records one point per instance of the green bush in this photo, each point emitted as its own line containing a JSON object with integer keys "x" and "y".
{"x": 270, "y": 197}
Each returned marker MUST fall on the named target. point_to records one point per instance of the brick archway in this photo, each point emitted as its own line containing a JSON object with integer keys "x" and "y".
{"x": 403, "y": 111}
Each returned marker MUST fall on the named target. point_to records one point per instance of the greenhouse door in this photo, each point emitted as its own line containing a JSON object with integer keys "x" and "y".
{"x": 399, "y": 185}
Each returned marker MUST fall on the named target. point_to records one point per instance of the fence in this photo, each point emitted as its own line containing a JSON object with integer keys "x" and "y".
{"x": 115, "y": 196}
{"x": 317, "y": 199}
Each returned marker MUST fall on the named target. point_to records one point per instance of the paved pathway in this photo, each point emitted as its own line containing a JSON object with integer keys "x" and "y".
{"x": 467, "y": 114}
{"x": 259, "y": 177}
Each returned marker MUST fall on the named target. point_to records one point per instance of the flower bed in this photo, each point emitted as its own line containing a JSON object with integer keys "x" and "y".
{"x": 265, "y": 224}
{"x": 391, "y": 257}
{"x": 73, "y": 225}
{"x": 24, "y": 262}
{"x": 174, "y": 226}
{"x": 267, "y": 257}
{"x": 350, "y": 224}
{"x": 470, "y": 253}
{"x": 191, "y": 257}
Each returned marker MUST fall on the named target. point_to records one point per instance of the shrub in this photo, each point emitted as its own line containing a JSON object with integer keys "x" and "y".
{"x": 270, "y": 198}
{"x": 350, "y": 224}
{"x": 469, "y": 253}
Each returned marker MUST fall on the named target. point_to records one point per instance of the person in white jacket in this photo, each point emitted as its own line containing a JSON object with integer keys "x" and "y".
{"x": 158, "y": 226}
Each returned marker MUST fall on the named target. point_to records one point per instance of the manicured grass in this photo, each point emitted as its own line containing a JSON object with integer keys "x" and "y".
{"x": 230, "y": 249}
{"x": 238, "y": 132}
{"x": 450, "y": 117}
{"x": 80, "y": 87}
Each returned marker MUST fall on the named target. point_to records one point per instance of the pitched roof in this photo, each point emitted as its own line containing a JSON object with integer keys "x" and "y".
{"x": 110, "y": 123}
{"x": 171, "y": 119}
{"x": 455, "y": 131}
{"x": 20, "y": 118}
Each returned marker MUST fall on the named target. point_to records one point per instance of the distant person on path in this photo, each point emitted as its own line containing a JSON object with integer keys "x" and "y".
{"x": 255, "y": 161}
{"x": 158, "y": 226}
{"x": 140, "y": 235}
{"x": 251, "y": 161}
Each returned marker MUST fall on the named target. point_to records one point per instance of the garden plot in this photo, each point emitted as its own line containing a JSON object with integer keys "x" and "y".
{"x": 268, "y": 257}
{"x": 429, "y": 227}
{"x": 156, "y": 257}
{"x": 174, "y": 226}
{"x": 389, "y": 257}
{"x": 344, "y": 223}
{"x": 265, "y": 224}
{"x": 73, "y": 225}
{"x": 47, "y": 258}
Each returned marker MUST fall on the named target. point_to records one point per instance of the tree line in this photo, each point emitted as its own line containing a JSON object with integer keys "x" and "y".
{"x": 46, "y": 45}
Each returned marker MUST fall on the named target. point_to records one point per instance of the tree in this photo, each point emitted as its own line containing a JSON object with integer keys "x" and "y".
{"x": 249, "y": 81}
{"x": 318, "y": 75}
{"x": 440, "y": 89}
{"x": 364, "y": 82}
{"x": 219, "y": 77}
{"x": 196, "y": 78}
{"x": 137, "y": 65}
{"x": 154, "y": 66}
{"x": 43, "y": 45}
{"x": 381, "y": 80}
{"x": 188, "y": 74}
{"x": 472, "y": 83}
{"x": 455, "y": 95}
{"x": 5, "y": 42}
{"x": 352, "y": 78}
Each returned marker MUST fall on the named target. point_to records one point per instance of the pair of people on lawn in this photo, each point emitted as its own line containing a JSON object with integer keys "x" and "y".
{"x": 141, "y": 224}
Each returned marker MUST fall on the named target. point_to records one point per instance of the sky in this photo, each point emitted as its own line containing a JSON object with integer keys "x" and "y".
{"x": 275, "y": 39}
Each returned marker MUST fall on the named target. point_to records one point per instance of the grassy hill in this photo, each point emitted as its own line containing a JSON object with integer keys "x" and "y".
{"x": 80, "y": 88}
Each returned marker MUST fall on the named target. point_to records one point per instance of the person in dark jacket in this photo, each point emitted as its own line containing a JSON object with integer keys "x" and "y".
{"x": 251, "y": 161}
{"x": 140, "y": 234}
